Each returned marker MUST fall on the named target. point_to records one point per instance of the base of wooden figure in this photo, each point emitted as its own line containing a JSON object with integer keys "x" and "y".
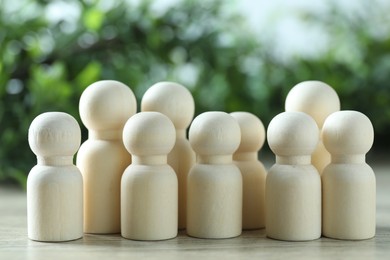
{"x": 293, "y": 203}
{"x": 349, "y": 190}
{"x": 253, "y": 207}
{"x": 149, "y": 203}
{"x": 214, "y": 208}
{"x": 51, "y": 241}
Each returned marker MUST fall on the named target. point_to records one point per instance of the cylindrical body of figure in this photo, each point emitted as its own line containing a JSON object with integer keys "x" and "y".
{"x": 176, "y": 102}
{"x": 214, "y": 192}
{"x": 149, "y": 202}
{"x": 54, "y": 185}
{"x": 293, "y": 185}
{"x": 181, "y": 159}
{"x": 105, "y": 106}
{"x": 349, "y": 201}
{"x": 348, "y": 183}
{"x": 318, "y": 100}
{"x": 293, "y": 205}
{"x": 214, "y": 201}
{"x": 149, "y": 188}
{"x": 102, "y": 162}
{"x": 253, "y": 200}
{"x": 320, "y": 158}
{"x": 55, "y": 203}
{"x": 252, "y": 170}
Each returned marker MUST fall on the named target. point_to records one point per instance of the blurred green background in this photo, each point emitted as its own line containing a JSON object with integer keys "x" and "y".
{"x": 52, "y": 50}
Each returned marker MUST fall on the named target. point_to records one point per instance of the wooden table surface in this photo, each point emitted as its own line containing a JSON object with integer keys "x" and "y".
{"x": 14, "y": 243}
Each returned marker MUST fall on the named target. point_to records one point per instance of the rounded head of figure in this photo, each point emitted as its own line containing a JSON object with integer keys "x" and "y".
{"x": 252, "y": 132}
{"x": 54, "y": 134}
{"x": 106, "y": 105}
{"x": 292, "y": 134}
{"x": 348, "y": 133}
{"x": 171, "y": 99}
{"x": 314, "y": 98}
{"x": 149, "y": 134}
{"x": 214, "y": 133}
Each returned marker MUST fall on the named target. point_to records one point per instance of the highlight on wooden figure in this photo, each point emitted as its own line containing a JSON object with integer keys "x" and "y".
{"x": 55, "y": 184}
{"x": 176, "y": 102}
{"x": 318, "y": 100}
{"x": 149, "y": 188}
{"x": 252, "y": 170}
{"x": 105, "y": 106}
{"x": 293, "y": 185}
{"x": 349, "y": 186}
{"x": 214, "y": 192}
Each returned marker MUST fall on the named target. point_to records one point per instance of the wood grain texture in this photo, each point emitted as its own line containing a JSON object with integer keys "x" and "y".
{"x": 14, "y": 243}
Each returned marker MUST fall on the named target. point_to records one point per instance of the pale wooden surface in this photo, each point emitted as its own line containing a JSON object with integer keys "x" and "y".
{"x": 250, "y": 245}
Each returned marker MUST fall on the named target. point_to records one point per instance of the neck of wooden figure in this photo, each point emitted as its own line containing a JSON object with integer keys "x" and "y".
{"x": 293, "y": 160}
{"x": 105, "y": 135}
{"x": 214, "y": 159}
{"x": 55, "y": 160}
{"x": 180, "y": 133}
{"x": 355, "y": 158}
{"x": 249, "y": 156}
{"x": 149, "y": 160}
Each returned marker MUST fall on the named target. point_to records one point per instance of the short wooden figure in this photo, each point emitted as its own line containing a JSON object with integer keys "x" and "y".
{"x": 177, "y": 103}
{"x": 252, "y": 170}
{"x": 318, "y": 100}
{"x": 149, "y": 190}
{"x": 349, "y": 186}
{"x": 293, "y": 185}
{"x": 55, "y": 184}
{"x": 214, "y": 198}
{"x": 105, "y": 106}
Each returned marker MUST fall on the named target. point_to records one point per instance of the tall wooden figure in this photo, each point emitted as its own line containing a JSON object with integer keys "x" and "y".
{"x": 214, "y": 202}
{"x": 252, "y": 170}
{"x": 349, "y": 187}
{"x": 54, "y": 185}
{"x": 149, "y": 190}
{"x": 293, "y": 185}
{"x": 105, "y": 106}
{"x": 177, "y": 103}
{"x": 318, "y": 100}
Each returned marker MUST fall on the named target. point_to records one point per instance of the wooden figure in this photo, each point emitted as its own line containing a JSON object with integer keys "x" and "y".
{"x": 252, "y": 170}
{"x": 177, "y": 103}
{"x": 214, "y": 198}
{"x": 105, "y": 106}
{"x": 149, "y": 189}
{"x": 349, "y": 187}
{"x": 318, "y": 100}
{"x": 293, "y": 185}
{"x": 55, "y": 184}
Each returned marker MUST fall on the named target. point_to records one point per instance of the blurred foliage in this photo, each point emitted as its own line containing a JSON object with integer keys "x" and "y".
{"x": 52, "y": 50}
